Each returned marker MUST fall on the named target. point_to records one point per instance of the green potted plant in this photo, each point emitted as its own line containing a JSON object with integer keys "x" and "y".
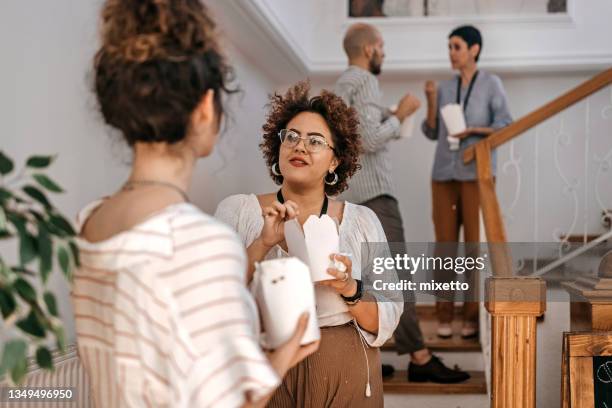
{"x": 44, "y": 238}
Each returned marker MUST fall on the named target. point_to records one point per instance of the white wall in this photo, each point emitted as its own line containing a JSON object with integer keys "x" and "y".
{"x": 579, "y": 38}
{"x": 237, "y": 165}
{"x": 46, "y": 106}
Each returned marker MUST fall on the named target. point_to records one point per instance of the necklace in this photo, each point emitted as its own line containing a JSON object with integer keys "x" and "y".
{"x": 281, "y": 199}
{"x": 130, "y": 185}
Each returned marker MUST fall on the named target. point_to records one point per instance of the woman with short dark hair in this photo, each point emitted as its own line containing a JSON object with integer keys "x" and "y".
{"x": 311, "y": 146}
{"x": 454, "y": 188}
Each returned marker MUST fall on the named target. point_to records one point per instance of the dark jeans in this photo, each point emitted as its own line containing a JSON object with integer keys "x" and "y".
{"x": 408, "y": 336}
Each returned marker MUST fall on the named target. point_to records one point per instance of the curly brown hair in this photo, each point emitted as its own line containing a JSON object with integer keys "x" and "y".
{"x": 341, "y": 119}
{"x": 157, "y": 60}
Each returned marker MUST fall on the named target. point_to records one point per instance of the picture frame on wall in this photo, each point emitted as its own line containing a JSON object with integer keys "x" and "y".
{"x": 454, "y": 8}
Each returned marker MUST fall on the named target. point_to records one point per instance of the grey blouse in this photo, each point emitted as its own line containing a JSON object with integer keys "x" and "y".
{"x": 487, "y": 107}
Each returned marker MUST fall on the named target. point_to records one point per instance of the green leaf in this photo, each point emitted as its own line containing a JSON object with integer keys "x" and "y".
{"x": 2, "y": 219}
{"x": 64, "y": 261}
{"x": 60, "y": 336}
{"x": 39, "y": 217}
{"x": 22, "y": 270}
{"x": 6, "y": 274}
{"x": 43, "y": 358}
{"x": 14, "y": 351}
{"x": 32, "y": 325}
{"x": 25, "y": 290}
{"x": 47, "y": 183}
{"x": 46, "y": 223}
{"x": 51, "y": 303}
{"x": 45, "y": 253}
{"x": 75, "y": 253}
{"x": 7, "y": 303}
{"x": 27, "y": 243}
{"x": 27, "y": 248}
{"x": 18, "y": 220}
{"x": 40, "y": 162}
{"x": 37, "y": 195}
{"x": 63, "y": 224}
{"x": 6, "y": 164}
{"x": 5, "y": 195}
{"x": 19, "y": 370}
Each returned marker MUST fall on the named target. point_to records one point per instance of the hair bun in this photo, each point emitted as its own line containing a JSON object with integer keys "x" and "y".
{"x": 141, "y": 30}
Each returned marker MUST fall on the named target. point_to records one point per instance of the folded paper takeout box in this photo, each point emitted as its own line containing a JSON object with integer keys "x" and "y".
{"x": 314, "y": 243}
{"x": 284, "y": 291}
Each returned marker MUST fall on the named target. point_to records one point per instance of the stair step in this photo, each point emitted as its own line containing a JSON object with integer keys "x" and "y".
{"x": 428, "y": 323}
{"x": 399, "y": 384}
{"x": 437, "y": 401}
{"x": 434, "y": 343}
{"x": 465, "y": 360}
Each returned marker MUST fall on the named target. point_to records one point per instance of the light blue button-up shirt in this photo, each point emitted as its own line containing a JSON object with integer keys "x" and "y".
{"x": 487, "y": 107}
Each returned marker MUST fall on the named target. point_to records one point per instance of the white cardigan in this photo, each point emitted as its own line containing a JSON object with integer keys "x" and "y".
{"x": 359, "y": 225}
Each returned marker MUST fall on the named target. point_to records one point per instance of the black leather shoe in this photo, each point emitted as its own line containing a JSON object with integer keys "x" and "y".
{"x": 435, "y": 371}
{"x": 387, "y": 370}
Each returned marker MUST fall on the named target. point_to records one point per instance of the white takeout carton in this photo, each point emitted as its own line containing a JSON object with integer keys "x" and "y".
{"x": 314, "y": 243}
{"x": 452, "y": 114}
{"x": 407, "y": 125}
{"x": 453, "y": 117}
{"x": 283, "y": 291}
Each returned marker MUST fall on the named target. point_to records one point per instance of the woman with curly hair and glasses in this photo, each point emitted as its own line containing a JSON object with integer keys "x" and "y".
{"x": 311, "y": 146}
{"x": 163, "y": 316}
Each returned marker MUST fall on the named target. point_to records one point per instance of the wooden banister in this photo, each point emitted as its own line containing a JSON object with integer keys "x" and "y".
{"x": 515, "y": 302}
{"x": 501, "y": 261}
{"x": 538, "y": 116}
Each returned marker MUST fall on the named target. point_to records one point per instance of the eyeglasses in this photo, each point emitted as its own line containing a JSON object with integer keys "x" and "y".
{"x": 312, "y": 143}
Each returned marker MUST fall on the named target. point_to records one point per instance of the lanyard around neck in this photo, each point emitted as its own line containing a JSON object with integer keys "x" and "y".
{"x": 281, "y": 199}
{"x": 469, "y": 91}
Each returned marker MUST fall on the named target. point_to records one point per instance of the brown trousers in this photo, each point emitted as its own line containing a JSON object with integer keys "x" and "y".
{"x": 335, "y": 376}
{"x": 455, "y": 204}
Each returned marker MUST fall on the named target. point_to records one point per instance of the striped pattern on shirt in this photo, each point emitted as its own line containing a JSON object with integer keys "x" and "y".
{"x": 163, "y": 316}
{"x": 359, "y": 89}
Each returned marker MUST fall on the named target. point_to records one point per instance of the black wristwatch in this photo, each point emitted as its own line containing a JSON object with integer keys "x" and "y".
{"x": 353, "y": 300}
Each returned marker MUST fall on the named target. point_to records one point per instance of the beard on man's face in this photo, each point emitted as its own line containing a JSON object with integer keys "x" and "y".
{"x": 375, "y": 65}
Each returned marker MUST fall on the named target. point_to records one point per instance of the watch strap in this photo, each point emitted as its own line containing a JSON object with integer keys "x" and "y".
{"x": 357, "y": 296}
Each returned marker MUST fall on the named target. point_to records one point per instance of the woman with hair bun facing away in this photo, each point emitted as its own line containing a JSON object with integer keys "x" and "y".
{"x": 163, "y": 316}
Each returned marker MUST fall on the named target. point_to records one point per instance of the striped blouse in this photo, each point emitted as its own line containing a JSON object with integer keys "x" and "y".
{"x": 163, "y": 316}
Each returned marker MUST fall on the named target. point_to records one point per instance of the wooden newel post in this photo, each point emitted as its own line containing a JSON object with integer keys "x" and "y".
{"x": 513, "y": 302}
{"x": 514, "y": 305}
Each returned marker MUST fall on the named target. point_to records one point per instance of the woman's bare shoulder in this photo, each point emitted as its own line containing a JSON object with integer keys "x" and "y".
{"x": 122, "y": 212}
